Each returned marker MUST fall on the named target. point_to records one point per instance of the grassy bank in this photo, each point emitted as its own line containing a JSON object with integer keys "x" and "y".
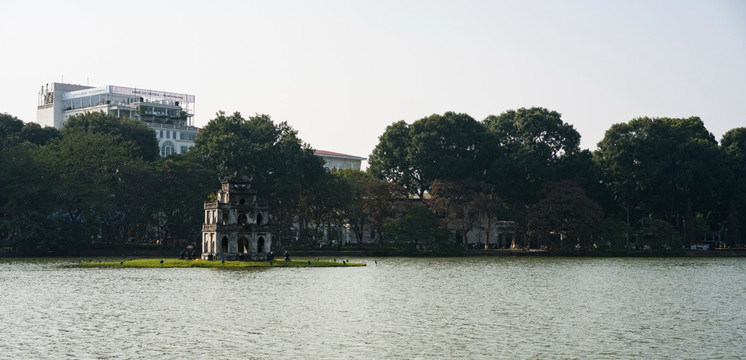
{"x": 176, "y": 263}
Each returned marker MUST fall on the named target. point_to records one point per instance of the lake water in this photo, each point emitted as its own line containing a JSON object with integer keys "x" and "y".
{"x": 397, "y": 308}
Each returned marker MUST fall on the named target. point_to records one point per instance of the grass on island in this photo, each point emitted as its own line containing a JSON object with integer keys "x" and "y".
{"x": 176, "y": 263}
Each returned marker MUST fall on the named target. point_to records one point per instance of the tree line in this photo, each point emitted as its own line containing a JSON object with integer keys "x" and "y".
{"x": 659, "y": 183}
{"x": 652, "y": 183}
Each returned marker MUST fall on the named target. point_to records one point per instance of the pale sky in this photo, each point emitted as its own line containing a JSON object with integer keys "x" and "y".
{"x": 339, "y": 72}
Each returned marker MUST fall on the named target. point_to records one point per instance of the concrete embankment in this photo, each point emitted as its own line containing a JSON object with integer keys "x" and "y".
{"x": 716, "y": 253}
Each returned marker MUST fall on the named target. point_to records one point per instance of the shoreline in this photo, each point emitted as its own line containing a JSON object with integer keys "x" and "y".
{"x": 179, "y": 263}
{"x": 373, "y": 252}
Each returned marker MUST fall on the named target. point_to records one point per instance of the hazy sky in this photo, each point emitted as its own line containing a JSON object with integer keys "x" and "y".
{"x": 339, "y": 72}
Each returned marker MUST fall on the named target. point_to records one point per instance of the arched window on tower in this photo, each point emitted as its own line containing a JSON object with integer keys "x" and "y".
{"x": 167, "y": 148}
{"x": 224, "y": 245}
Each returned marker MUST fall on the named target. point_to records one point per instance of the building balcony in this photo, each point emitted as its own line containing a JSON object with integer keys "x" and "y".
{"x": 156, "y": 125}
{"x": 211, "y": 205}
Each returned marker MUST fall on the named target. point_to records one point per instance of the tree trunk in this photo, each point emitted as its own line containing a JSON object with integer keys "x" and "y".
{"x": 487, "y": 239}
{"x": 689, "y": 238}
{"x": 734, "y": 234}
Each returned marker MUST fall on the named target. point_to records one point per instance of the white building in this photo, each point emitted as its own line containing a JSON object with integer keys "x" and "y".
{"x": 338, "y": 161}
{"x": 169, "y": 114}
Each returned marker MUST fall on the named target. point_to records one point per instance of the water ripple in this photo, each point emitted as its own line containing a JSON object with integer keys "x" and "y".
{"x": 523, "y": 308}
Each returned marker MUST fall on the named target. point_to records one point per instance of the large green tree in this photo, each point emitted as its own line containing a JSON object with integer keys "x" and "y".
{"x": 451, "y": 146}
{"x": 382, "y": 201}
{"x": 230, "y": 144}
{"x": 418, "y": 229}
{"x": 25, "y": 189}
{"x": 459, "y": 204}
{"x": 733, "y": 145}
{"x": 35, "y": 134}
{"x": 357, "y": 184}
{"x": 10, "y": 130}
{"x": 390, "y": 160}
{"x": 88, "y": 171}
{"x": 565, "y": 217}
{"x": 535, "y": 146}
{"x": 534, "y": 143}
{"x": 145, "y": 145}
{"x": 26, "y": 201}
{"x": 61, "y": 190}
{"x": 665, "y": 167}
{"x": 321, "y": 207}
{"x": 13, "y": 131}
{"x": 280, "y": 164}
{"x": 370, "y": 202}
{"x": 180, "y": 185}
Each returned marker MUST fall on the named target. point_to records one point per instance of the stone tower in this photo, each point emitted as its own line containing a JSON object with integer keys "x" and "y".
{"x": 235, "y": 225}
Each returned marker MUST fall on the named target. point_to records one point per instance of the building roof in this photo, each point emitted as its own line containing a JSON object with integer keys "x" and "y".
{"x": 337, "y": 155}
{"x": 128, "y": 91}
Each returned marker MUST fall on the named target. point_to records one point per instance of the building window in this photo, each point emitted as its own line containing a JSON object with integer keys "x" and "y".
{"x": 167, "y": 149}
{"x": 161, "y": 134}
{"x": 184, "y": 149}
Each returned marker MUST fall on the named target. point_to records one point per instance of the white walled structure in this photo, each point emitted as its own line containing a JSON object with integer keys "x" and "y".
{"x": 51, "y": 109}
{"x": 339, "y": 161}
{"x": 169, "y": 114}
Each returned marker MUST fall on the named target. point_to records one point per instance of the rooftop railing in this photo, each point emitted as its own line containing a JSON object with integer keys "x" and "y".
{"x": 171, "y": 126}
{"x": 73, "y": 105}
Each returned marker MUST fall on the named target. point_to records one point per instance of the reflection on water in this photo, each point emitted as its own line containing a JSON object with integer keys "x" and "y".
{"x": 398, "y": 308}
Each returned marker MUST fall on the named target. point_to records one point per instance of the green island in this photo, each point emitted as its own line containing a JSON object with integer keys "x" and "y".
{"x": 177, "y": 263}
